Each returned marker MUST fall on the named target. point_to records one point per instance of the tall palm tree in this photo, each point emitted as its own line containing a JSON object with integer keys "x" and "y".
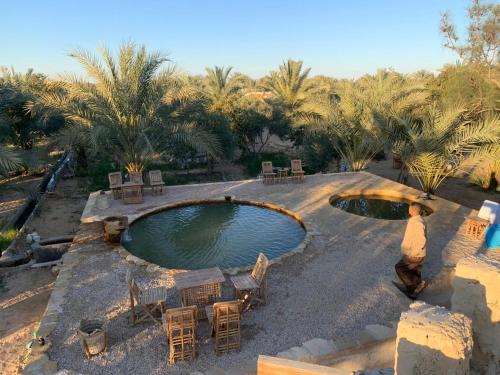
{"x": 16, "y": 90}
{"x": 123, "y": 106}
{"x": 350, "y": 127}
{"x": 288, "y": 85}
{"x": 220, "y": 88}
{"x": 445, "y": 141}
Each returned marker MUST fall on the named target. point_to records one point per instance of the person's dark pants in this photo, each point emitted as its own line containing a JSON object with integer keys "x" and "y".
{"x": 409, "y": 271}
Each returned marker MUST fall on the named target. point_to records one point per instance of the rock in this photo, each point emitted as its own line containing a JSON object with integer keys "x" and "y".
{"x": 318, "y": 347}
{"x": 476, "y": 293}
{"x": 55, "y": 270}
{"x": 432, "y": 340}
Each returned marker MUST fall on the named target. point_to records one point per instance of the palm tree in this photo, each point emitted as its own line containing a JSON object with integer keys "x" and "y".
{"x": 444, "y": 142}
{"x": 124, "y": 106}
{"x": 288, "y": 85}
{"x": 16, "y": 90}
{"x": 220, "y": 88}
{"x": 9, "y": 161}
{"x": 350, "y": 127}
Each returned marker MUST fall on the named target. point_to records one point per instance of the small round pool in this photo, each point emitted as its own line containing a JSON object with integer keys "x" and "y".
{"x": 212, "y": 234}
{"x": 376, "y": 207}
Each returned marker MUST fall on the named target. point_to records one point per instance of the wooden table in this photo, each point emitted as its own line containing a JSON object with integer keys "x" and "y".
{"x": 132, "y": 192}
{"x": 200, "y": 288}
{"x": 282, "y": 174}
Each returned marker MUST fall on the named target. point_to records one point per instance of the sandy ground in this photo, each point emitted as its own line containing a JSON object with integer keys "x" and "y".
{"x": 24, "y": 292}
{"x": 13, "y": 193}
{"x": 341, "y": 282}
{"x": 23, "y": 297}
{"x": 454, "y": 189}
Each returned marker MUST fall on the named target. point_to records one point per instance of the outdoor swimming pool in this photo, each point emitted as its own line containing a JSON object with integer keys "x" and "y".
{"x": 376, "y": 207}
{"x": 212, "y": 234}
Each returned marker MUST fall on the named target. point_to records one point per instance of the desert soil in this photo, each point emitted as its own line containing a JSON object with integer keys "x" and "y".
{"x": 24, "y": 292}
{"x": 13, "y": 193}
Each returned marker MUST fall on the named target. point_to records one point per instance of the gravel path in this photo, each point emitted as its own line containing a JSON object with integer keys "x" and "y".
{"x": 341, "y": 283}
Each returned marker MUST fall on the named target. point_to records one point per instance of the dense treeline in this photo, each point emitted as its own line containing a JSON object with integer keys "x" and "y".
{"x": 134, "y": 109}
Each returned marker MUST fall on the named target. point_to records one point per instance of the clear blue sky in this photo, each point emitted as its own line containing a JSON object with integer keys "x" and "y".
{"x": 336, "y": 38}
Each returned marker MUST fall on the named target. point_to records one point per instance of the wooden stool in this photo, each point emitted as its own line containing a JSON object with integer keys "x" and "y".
{"x": 476, "y": 227}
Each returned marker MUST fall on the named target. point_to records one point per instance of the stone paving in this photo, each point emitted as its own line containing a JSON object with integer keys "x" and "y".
{"x": 340, "y": 283}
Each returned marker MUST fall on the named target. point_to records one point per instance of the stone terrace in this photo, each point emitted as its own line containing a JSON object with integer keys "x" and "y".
{"x": 340, "y": 282}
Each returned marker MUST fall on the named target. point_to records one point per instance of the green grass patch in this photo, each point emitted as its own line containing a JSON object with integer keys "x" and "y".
{"x": 6, "y": 238}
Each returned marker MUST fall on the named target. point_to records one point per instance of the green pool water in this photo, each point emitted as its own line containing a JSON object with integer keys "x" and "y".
{"x": 213, "y": 234}
{"x": 376, "y": 207}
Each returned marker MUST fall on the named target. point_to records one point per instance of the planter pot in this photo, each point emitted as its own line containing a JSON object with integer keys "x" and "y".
{"x": 93, "y": 337}
{"x": 113, "y": 228}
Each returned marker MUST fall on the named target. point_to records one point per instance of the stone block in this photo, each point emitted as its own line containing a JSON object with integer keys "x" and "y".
{"x": 318, "y": 347}
{"x": 476, "y": 293}
{"x": 380, "y": 332}
{"x": 432, "y": 340}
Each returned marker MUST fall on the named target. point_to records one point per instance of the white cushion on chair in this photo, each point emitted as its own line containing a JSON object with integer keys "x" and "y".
{"x": 490, "y": 211}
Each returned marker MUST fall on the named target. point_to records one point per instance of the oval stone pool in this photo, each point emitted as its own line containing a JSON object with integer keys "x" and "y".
{"x": 212, "y": 234}
{"x": 377, "y": 207}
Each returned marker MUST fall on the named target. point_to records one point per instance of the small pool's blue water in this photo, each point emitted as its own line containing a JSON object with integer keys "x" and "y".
{"x": 492, "y": 237}
{"x": 213, "y": 234}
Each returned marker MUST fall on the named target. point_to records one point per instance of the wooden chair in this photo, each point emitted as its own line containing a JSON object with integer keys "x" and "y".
{"x": 147, "y": 301}
{"x": 251, "y": 288}
{"x": 115, "y": 184}
{"x": 135, "y": 177}
{"x": 201, "y": 296}
{"x": 156, "y": 182}
{"x": 180, "y": 328}
{"x": 224, "y": 319}
{"x": 268, "y": 172}
{"x": 297, "y": 171}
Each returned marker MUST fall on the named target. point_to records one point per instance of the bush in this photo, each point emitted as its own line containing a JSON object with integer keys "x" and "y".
{"x": 6, "y": 237}
{"x": 96, "y": 175}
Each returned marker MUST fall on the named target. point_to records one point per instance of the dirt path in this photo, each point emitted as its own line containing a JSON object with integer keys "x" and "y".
{"x": 24, "y": 292}
{"x": 457, "y": 190}
{"x": 23, "y": 298}
{"x": 13, "y": 193}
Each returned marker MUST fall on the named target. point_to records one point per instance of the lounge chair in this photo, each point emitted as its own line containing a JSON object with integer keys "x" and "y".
{"x": 147, "y": 301}
{"x": 115, "y": 184}
{"x": 224, "y": 318}
{"x": 180, "y": 328}
{"x": 297, "y": 171}
{"x": 268, "y": 172}
{"x": 251, "y": 288}
{"x": 156, "y": 182}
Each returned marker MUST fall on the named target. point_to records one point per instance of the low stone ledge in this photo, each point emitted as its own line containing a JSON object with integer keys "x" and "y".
{"x": 476, "y": 293}
{"x": 433, "y": 340}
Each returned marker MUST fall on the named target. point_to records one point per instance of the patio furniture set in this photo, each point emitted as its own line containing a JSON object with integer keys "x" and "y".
{"x": 280, "y": 175}
{"x": 132, "y": 191}
{"x": 200, "y": 292}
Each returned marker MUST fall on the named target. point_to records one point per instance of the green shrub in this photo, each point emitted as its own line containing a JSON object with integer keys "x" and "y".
{"x": 6, "y": 237}
{"x": 96, "y": 175}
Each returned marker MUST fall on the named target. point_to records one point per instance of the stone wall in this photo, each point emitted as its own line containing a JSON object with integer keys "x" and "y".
{"x": 432, "y": 340}
{"x": 476, "y": 293}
